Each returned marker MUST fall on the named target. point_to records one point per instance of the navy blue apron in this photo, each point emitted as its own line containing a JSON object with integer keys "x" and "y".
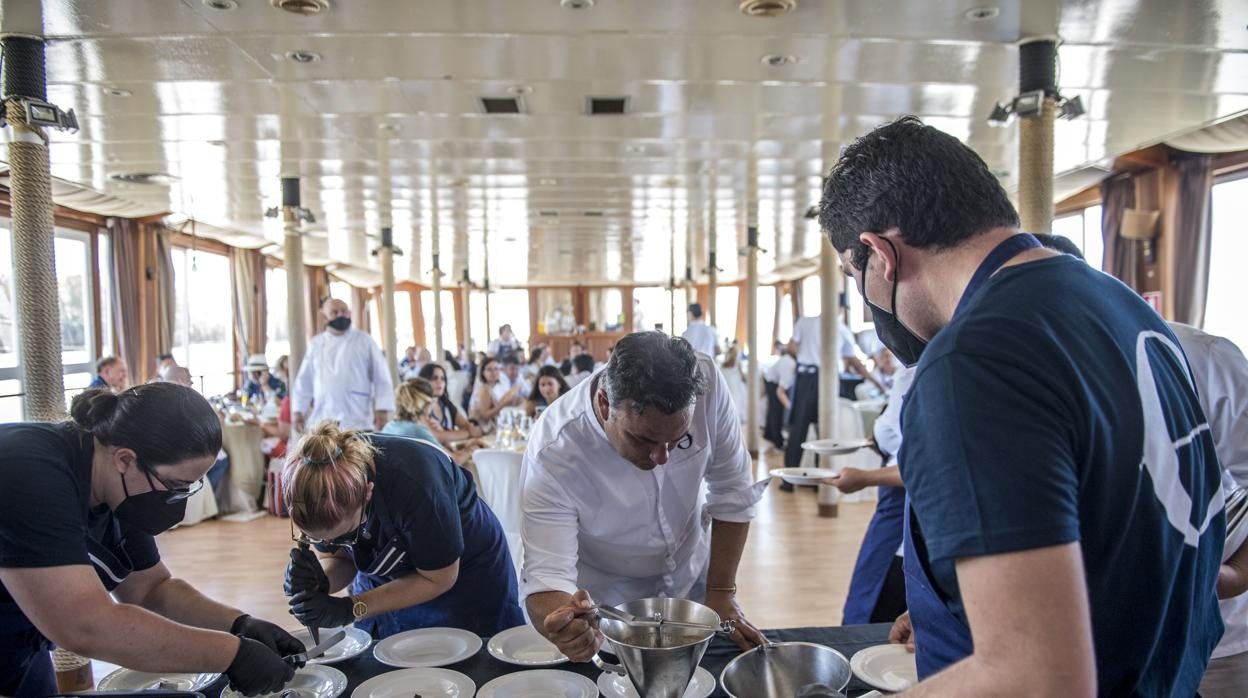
{"x": 25, "y": 665}
{"x": 484, "y": 599}
{"x": 879, "y": 546}
{"x": 940, "y": 638}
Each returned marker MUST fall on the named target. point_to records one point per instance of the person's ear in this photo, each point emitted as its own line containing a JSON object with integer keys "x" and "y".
{"x": 882, "y": 251}
{"x": 604, "y": 405}
{"x": 124, "y": 459}
{"x": 368, "y": 494}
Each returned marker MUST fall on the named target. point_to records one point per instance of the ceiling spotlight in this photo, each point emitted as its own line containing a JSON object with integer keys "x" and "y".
{"x": 520, "y": 90}
{"x": 388, "y": 127}
{"x": 634, "y": 148}
{"x": 548, "y": 181}
{"x": 980, "y": 14}
{"x": 777, "y": 60}
{"x": 1029, "y": 103}
{"x": 117, "y": 92}
{"x": 303, "y": 56}
{"x": 1071, "y": 108}
{"x": 576, "y": 4}
{"x": 221, "y": 4}
{"x": 1000, "y": 115}
{"x": 766, "y": 8}
{"x": 307, "y": 8}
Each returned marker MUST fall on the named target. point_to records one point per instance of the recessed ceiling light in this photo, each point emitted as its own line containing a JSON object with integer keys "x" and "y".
{"x": 307, "y": 8}
{"x": 509, "y": 239}
{"x": 218, "y": 144}
{"x": 387, "y": 126}
{"x": 547, "y": 181}
{"x": 303, "y": 56}
{"x": 979, "y": 14}
{"x": 520, "y": 90}
{"x": 117, "y": 92}
{"x": 576, "y": 4}
{"x": 634, "y": 148}
{"x": 776, "y": 60}
{"x": 766, "y": 8}
{"x": 221, "y": 4}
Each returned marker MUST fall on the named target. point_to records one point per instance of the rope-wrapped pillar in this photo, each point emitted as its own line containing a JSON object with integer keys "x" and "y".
{"x": 292, "y": 259}
{"x": 829, "y": 361}
{"x": 1037, "y": 71}
{"x": 389, "y": 332}
{"x": 752, "y": 387}
{"x": 467, "y": 291}
{"x": 39, "y": 329}
{"x": 435, "y": 245}
{"x": 712, "y": 269}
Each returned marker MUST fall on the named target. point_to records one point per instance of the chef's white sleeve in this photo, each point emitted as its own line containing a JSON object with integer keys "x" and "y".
{"x": 1227, "y": 398}
{"x": 729, "y": 492}
{"x": 548, "y": 529}
{"x": 305, "y": 383}
{"x": 383, "y": 388}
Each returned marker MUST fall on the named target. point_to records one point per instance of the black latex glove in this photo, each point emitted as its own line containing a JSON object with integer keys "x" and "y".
{"x": 304, "y": 573}
{"x": 321, "y": 610}
{"x": 256, "y": 669}
{"x": 267, "y": 634}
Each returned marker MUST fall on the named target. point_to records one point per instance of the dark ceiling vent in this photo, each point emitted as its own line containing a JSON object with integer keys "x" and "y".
{"x": 599, "y": 106}
{"x": 548, "y": 214}
{"x": 501, "y": 105}
{"x": 593, "y": 214}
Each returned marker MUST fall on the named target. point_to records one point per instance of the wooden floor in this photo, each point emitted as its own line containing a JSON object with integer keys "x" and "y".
{"x": 795, "y": 571}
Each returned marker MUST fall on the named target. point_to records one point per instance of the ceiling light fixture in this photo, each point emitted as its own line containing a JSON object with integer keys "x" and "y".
{"x": 221, "y": 4}
{"x": 576, "y": 4}
{"x": 303, "y": 56}
{"x": 117, "y": 92}
{"x": 980, "y": 14}
{"x": 1030, "y": 104}
{"x": 520, "y": 90}
{"x": 306, "y": 8}
{"x": 766, "y": 8}
{"x": 776, "y": 60}
{"x": 161, "y": 178}
{"x": 388, "y": 127}
{"x": 547, "y": 181}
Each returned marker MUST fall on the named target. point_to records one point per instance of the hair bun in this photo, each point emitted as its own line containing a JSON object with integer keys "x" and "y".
{"x": 93, "y": 410}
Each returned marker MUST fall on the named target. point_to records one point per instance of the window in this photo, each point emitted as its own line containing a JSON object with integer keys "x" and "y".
{"x": 1083, "y": 228}
{"x": 786, "y": 318}
{"x": 203, "y": 336}
{"x": 812, "y": 299}
{"x": 277, "y": 324}
{"x": 555, "y": 314}
{"x": 652, "y": 306}
{"x": 340, "y": 290}
{"x": 510, "y": 306}
{"x": 606, "y": 309}
{"x": 448, "y": 320}
{"x": 765, "y": 302}
{"x": 726, "y": 299}
{"x": 481, "y": 332}
{"x": 104, "y": 266}
{"x": 404, "y": 333}
{"x": 1228, "y": 286}
{"x": 75, "y": 267}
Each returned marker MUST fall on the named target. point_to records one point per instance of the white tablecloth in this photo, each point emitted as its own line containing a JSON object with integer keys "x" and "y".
{"x": 245, "y": 478}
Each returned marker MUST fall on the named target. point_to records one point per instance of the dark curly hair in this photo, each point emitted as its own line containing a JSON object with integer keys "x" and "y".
{"x": 652, "y": 369}
{"x": 907, "y": 175}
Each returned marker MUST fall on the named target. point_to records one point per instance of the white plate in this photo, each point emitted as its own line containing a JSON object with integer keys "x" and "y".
{"x": 311, "y": 681}
{"x": 873, "y": 694}
{"x": 442, "y": 683}
{"x": 427, "y": 647}
{"x": 835, "y": 447}
{"x": 131, "y": 680}
{"x": 616, "y": 686}
{"x": 539, "y": 683}
{"x": 524, "y": 646}
{"x": 804, "y": 476}
{"x": 886, "y": 667}
{"x": 352, "y": 645}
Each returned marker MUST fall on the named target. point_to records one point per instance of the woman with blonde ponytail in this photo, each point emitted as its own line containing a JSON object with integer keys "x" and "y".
{"x": 399, "y": 526}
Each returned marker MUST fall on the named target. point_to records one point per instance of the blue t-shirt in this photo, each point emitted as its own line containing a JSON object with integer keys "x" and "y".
{"x": 411, "y": 430}
{"x": 1056, "y": 407}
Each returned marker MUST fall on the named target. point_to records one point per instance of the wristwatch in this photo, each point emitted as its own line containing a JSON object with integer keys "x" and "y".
{"x": 359, "y": 609}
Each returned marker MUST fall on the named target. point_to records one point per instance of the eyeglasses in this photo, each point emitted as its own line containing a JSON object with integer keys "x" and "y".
{"x": 175, "y": 494}
{"x": 346, "y": 540}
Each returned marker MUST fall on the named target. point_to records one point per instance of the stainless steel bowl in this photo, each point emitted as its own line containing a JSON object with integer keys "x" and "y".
{"x": 782, "y": 668}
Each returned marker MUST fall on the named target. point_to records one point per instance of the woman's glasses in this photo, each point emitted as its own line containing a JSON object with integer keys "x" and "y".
{"x": 346, "y": 540}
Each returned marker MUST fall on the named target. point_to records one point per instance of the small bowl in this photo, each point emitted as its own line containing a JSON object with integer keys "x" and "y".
{"x": 782, "y": 668}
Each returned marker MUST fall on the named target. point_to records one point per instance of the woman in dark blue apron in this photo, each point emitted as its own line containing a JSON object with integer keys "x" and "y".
{"x": 401, "y": 524}
{"x": 877, "y": 589}
{"x": 79, "y": 505}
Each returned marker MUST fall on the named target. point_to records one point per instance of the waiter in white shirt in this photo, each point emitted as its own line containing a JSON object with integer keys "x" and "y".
{"x": 703, "y": 337}
{"x": 344, "y": 377}
{"x": 612, "y": 493}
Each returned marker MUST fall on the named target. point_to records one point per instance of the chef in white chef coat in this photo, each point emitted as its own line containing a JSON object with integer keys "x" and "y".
{"x": 636, "y": 484}
{"x": 343, "y": 378}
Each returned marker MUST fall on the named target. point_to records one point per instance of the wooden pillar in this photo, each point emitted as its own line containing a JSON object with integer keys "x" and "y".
{"x": 532, "y": 312}
{"x": 829, "y": 362}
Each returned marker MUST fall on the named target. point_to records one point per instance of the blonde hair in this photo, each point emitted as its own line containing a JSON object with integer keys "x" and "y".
{"x": 412, "y": 400}
{"x": 326, "y": 476}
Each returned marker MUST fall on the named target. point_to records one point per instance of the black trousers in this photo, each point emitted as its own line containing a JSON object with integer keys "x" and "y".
{"x": 804, "y": 413}
{"x": 848, "y": 386}
{"x": 892, "y": 600}
{"x": 773, "y": 427}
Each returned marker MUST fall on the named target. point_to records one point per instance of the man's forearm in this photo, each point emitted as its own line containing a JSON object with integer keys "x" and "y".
{"x": 727, "y": 544}
{"x": 542, "y": 604}
{"x": 974, "y": 677}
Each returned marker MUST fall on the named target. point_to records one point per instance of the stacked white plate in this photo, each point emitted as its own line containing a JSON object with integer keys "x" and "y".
{"x": 540, "y": 683}
{"x": 524, "y": 646}
{"x": 889, "y": 668}
{"x": 131, "y": 680}
{"x": 406, "y": 683}
{"x": 427, "y": 647}
{"x": 350, "y": 646}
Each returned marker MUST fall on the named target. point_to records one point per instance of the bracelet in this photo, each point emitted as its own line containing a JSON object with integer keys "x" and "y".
{"x": 730, "y": 589}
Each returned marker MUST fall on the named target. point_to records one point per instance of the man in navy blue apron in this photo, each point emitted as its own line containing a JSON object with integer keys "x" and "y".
{"x": 1065, "y": 519}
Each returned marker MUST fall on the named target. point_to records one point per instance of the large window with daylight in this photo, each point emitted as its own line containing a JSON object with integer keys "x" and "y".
{"x": 652, "y": 306}
{"x": 812, "y": 298}
{"x": 1083, "y": 227}
{"x": 203, "y": 336}
{"x": 726, "y": 299}
{"x": 448, "y": 320}
{"x": 507, "y": 306}
{"x": 276, "y": 325}
{"x": 1228, "y": 285}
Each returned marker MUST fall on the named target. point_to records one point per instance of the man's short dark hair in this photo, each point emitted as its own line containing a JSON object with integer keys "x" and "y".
{"x": 652, "y": 369}
{"x": 509, "y": 359}
{"x": 913, "y": 177}
{"x": 162, "y": 357}
{"x": 105, "y": 363}
{"x": 1060, "y": 243}
{"x": 583, "y": 363}
{"x": 695, "y": 309}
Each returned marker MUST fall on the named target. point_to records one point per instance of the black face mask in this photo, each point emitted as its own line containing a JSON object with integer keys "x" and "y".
{"x": 150, "y": 512}
{"x": 341, "y": 323}
{"x": 905, "y": 345}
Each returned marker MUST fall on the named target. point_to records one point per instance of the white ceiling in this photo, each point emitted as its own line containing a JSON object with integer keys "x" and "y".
{"x": 215, "y": 102}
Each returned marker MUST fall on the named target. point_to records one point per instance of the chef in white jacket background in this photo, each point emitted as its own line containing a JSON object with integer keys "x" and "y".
{"x": 614, "y": 480}
{"x": 343, "y": 378}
